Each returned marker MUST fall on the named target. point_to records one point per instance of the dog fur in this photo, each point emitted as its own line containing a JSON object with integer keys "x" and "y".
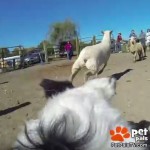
{"x": 75, "y": 119}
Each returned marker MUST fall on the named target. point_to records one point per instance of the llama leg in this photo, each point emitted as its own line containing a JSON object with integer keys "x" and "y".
{"x": 139, "y": 53}
{"x": 91, "y": 65}
{"x": 142, "y": 55}
{"x": 135, "y": 54}
{"x": 96, "y": 74}
{"x": 88, "y": 74}
{"x": 76, "y": 68}
{"x": 74, "y": 73}
{"x": 100, "y": 71}
{"x": 144, "y": 51}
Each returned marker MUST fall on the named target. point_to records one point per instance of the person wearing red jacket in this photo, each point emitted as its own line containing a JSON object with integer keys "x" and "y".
{"x": 68, "y": 48}
{"x": 118, "y": 43}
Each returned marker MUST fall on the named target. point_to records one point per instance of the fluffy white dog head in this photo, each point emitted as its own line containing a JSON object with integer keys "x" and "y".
{"x": 105, "y": 87}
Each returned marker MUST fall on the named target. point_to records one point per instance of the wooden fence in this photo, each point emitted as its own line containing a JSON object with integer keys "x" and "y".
{"x": 91, "y": 41}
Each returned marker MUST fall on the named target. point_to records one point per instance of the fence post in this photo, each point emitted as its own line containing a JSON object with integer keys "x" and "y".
{"x": 20, "y": 52}
{"x": 94, "y": 40}
{"x": 3, "y": 62}
{"x": 45, "y": 50}
{"x": 2, "y": 55}
{"x": 14, "y": 64}
{"x": 77, "y": 46}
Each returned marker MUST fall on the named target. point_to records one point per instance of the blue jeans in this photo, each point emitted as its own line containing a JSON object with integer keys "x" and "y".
{"x": 69, "y": 55}
{"x": 118, "y": 46}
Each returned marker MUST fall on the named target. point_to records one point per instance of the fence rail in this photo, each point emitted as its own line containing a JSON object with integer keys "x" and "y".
{"x": 79, "y": 44}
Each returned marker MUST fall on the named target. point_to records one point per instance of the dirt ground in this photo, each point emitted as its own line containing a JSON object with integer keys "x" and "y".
{"x": 21, "y": 88}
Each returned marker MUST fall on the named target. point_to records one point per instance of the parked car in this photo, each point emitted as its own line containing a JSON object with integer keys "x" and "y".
{"x": 62, "y": 51}
{"x": 33, "y": 58}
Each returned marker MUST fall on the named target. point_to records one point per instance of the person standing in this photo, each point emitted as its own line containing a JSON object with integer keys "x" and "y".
{"x": 118, "y": 44}
{"x": 132, "y": 34}
{"x": 148, "y": 39}
{"x": 68, "y": 48}
{"x": 142, "y": 38}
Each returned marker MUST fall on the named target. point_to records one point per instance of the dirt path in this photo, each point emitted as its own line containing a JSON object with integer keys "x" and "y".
{"x": 22, "y": 87}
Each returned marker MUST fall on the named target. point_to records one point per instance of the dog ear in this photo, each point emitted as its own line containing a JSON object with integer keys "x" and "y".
{"x": 111, "y": 31}
{"x": 144, "y": 124}
{"x": 140, "y": 125}
{"x": 102, "y": 32}
{"x": 52, "y": 87}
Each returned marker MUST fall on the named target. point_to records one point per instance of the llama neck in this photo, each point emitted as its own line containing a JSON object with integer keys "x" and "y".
{"x": 106, "y": 38}
{"x": 132, "y": 42}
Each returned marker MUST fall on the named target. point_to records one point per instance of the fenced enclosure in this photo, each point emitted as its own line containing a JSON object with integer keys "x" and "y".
{"x": 53, "y": 51}
{"x": 20, "y": 61}
{"x": 87, "y": 41}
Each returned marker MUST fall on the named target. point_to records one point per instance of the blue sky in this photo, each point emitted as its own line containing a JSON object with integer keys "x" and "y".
{"x": 27, "y": 22}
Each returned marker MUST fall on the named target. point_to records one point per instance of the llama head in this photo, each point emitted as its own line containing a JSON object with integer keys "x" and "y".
{"x": 107, "y": 32}
{"x": 106, "y": 87}
{"x": 132, "y": 40}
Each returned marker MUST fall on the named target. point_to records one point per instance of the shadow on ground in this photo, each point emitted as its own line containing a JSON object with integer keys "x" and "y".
{"x": 12, "y": 109}
{"x": 4, "y": 82}
{"x": 140, "y": 59}
{"x": 53, "y": 87}
{"x": 117, "y": 76}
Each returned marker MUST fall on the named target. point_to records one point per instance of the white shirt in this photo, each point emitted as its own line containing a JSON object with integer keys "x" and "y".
{"x": 147, "y": 37}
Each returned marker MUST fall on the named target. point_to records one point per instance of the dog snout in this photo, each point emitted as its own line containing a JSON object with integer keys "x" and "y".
{"x": 112, "y": 81}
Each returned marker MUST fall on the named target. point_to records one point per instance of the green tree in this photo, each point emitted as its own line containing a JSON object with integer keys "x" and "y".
{"x": 30, "y": 49}
{"x": 62, "y": 31}
{"x": 18, "y": 51}
{"x": 48, "y": 45}
{"x": 6, "y": 52}
{"x": 15, "y": 51}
